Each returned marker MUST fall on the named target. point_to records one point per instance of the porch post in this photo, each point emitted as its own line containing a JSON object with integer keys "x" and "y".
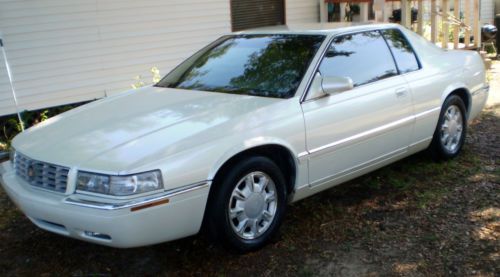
{"x": 456, "y": 27}
{"x": 406, "y": 13}
{"x": 477, "y": 25}
{"x": 342, "y": 11}
{"x": 363, "y": 11}
{"x": 445, "y": 24}
{"x": 323, "y": 11}
{"x": 420, "y": 23}
{"x": 434, "y": 30}
{"x": 467, "y": 22}
{"x": 379, "y": 9}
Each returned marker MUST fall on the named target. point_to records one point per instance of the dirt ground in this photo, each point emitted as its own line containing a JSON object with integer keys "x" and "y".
{"x": 413, "y": 218}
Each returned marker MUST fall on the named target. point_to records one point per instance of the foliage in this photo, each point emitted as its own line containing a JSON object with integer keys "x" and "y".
{"x": 452, "y": 22}
{"x": 10, "y": 125}
{"x": 490, "y": 49}
{"x": 139, "y": 82}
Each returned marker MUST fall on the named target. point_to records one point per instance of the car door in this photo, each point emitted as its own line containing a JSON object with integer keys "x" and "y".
{"x": 362, "y": 127}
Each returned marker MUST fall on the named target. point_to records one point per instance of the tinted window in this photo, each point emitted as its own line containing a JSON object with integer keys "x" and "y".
{"x": 364, "y": 57}
{"x": 262, "y": 65}
{"x": 403, "y": 53}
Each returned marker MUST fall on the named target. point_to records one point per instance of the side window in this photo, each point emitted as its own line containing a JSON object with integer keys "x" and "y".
{"x": 364, "y": 57}
{"x": 401, "y": 48}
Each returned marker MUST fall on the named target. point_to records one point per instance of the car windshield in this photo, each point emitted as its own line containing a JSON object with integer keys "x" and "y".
{"x": 261, "y": 65}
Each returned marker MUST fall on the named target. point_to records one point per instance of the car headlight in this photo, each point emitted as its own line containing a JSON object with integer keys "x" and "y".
{"x": 119, "y": 185}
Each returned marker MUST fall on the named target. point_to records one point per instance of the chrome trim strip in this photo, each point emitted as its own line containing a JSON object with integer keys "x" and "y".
{"x": 427, "y": 139}
{"x": 302, "y": 154}
{"x": 75, "y": 200}
{"x": 364, "y": 134}
{"x": 369, "y": 133}
{"x": 425, "y": 113}
{"x": 359, "y": 167}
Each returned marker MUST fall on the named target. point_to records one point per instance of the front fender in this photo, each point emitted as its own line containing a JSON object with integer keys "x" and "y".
{"x": 249, "y": 144}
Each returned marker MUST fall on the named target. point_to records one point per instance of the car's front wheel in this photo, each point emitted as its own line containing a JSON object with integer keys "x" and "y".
{"x": 247, "y": 204}
{"x": 450, "y": 132}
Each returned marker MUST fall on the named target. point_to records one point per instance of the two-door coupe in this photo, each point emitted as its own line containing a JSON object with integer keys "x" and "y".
{"x": 251, "y": 122}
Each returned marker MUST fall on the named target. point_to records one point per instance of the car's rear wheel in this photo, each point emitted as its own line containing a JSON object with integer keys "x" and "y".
{"x": 247, "y": 204}
{"x": 450, "y": 132}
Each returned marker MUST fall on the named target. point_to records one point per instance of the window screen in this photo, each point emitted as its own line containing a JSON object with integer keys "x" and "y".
{"x": 246, "y": 14}
{"x": 364, "y": 57}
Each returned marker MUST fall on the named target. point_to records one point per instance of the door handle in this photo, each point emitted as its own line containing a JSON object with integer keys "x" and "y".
{"x": 401, "y": 92}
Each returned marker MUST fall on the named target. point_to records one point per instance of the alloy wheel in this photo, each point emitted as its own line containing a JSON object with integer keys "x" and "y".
{"x": 252, "y": 205}
{"x": 452, "y": 129}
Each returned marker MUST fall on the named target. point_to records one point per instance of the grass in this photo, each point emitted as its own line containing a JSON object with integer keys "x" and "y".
{"x": 430, "y": 196}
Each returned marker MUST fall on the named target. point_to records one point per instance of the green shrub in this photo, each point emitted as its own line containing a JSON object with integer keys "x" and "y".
{"x": 10, "y": 126}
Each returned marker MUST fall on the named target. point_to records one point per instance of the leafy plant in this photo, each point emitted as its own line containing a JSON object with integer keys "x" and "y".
{"x": 10, "y": 125}
{"x": 155, "y": 72}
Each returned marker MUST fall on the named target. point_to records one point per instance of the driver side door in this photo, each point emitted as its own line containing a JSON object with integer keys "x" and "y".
{"x": 354, "y": 130}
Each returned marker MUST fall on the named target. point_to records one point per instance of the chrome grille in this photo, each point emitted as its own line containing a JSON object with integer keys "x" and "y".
{"x": 41, "y": 174}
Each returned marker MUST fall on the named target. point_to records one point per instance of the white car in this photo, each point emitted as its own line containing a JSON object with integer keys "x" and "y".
{"x": 253, "y": 121}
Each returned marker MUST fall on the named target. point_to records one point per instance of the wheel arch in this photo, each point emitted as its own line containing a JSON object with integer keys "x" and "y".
{"x": 461, "y": 91}
{"x": 282, "y": 155}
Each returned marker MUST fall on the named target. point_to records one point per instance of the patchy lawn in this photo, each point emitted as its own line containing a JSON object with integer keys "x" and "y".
{"x": 415, "y": 217}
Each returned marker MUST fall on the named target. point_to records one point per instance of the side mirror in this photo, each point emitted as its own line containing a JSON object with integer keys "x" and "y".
{"x": 335, "y": 84}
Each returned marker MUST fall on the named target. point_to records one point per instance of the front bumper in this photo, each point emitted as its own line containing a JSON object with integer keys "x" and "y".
{"x": 134, "y": 223}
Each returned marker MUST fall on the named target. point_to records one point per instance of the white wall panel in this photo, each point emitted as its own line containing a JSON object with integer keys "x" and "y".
{"x": 302, "y": 11}
{"x": 487, "y": 11}
{"x": 69, "y": 51}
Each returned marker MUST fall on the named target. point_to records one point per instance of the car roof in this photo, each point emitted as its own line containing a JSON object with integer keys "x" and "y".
{"x": 320, "y": 28}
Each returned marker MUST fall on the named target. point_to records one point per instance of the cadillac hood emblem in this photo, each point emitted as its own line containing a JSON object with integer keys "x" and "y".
{"x": 31, "y": 172}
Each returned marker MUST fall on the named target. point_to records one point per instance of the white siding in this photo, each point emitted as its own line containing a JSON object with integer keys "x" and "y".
{"x": 68, "y": 51}
{"x": 487, "y": 11}
{"x": 302, "y": 11}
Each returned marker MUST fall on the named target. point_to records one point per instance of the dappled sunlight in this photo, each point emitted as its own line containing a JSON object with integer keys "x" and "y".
{"x": 488, "y": 223}
{"x": 405, "y": 268}
{"x": 400, "y": 205}
{"x": 477, "y": 177}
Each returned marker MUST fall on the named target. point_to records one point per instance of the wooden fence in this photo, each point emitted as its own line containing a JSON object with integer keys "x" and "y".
{"x": 443, "y": 19}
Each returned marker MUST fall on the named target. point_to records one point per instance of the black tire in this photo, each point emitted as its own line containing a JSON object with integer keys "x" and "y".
{"x": 217, "y": 221}
{"x": 438, "y": 149}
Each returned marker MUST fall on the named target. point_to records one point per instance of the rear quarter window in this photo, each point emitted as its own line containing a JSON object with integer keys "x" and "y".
{"x": 406, "y": 60}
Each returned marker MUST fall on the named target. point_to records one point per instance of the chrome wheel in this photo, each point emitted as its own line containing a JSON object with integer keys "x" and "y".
{"x": 452, "y": 129}
{"x": 252, "y": 205}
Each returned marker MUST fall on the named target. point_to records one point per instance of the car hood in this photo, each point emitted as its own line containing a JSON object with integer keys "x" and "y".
{"x": 102, "y": 127}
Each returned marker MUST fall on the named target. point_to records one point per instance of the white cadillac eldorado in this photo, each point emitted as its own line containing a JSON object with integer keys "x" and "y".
{"x": 250, "y": 123}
